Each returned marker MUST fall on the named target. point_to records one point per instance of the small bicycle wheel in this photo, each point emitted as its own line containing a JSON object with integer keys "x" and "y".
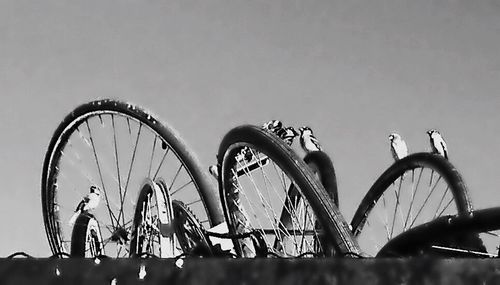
{"x": 413, "y": 191}
{"x": 189, "y": 232}
{"x": 116, "y": 146}
{"x": 86, "y": 239}
{"x": 153, "y": 233}
{"x": 266, "y": 187}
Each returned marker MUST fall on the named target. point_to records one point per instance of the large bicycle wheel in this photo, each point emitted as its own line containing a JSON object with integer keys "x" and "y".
{"x": 86, "y": 239}
{"x": 413, "y": 191}
{"x": 116, "y": 146}
{"x": 266, "y": 187}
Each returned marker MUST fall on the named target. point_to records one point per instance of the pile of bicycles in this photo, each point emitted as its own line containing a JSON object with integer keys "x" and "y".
{"x": 118, "y": 182}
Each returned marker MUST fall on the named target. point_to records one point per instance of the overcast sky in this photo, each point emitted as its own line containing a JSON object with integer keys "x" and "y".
{"x": 353, "y": 70}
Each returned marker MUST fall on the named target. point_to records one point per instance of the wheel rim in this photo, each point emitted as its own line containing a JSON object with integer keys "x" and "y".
{"x": 418, "y": 194}
{"x": 258, "y": 193}
{"x": 116, "y": 152}
{"x": 94, "y": 245}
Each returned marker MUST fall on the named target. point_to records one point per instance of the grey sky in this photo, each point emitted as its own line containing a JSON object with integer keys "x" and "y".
{"x": 353, "y": 70}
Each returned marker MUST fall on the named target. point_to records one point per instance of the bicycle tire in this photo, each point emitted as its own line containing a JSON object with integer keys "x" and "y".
{"x": 80, "y": 234}
{"x": 435, "y": 163}
{"x": 168, "y": 136}
{"x": 322, "y": 164}
{"x": 335, "y": 228}
{"x": 418, "y": 240}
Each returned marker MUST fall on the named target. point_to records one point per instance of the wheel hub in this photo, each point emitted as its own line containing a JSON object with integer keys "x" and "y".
{"x": 120, "y": 236}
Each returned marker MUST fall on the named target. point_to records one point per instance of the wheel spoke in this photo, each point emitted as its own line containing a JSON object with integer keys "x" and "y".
{"x": 396, "y": 206}
{"x": 111, "y": 215}
{"x": 182, "y": 187}
{"x": 426, "y": 199}
{"x": 440, "y": 202}
{"x": 117, "y": 167}
{"x": 193, "y": 202}
{"x": 161, "y": 163}
{"x": 446, "y": 207}
{"x": 152, "y": 156}
{"x": 130, "y": 169}
{"x": 175, "y": 178}
{"x": 413, "y": 194}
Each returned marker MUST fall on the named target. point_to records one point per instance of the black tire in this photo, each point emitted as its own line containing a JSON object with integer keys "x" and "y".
{"x": 321, "y": 163}
{"x": 101, "y": 108}
{"x": 331, "y": 221}
{"x": 449, "y": 236}
{"x": 402, "y": 168}
{"x": 82, "y": 232}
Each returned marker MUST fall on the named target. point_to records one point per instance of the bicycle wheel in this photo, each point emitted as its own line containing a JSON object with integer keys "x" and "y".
{"x": 189, "y": 232}
{"x": 115, "y": 146}
{"x": 413, "y": 191}
{"x": 86, "y": 239}
{"x": 266, "y": 187}
{"x": 153, "y": 233}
